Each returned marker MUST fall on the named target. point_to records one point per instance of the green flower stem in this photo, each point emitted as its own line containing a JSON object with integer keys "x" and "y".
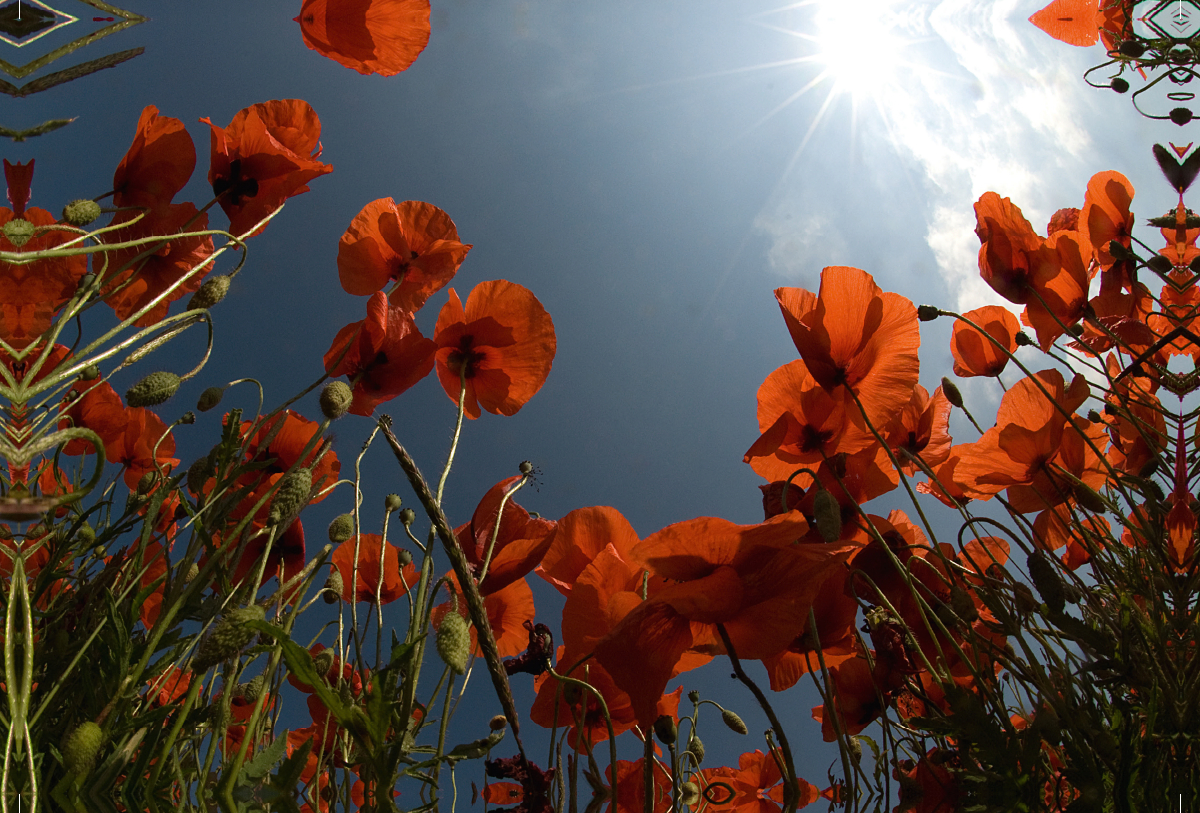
{"x": 612, "y": 737}
{"x": 193, "y": 693}
{"x": 487, "y": 559}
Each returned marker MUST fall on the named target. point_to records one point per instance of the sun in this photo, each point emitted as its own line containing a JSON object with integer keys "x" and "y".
{"x": 860, "y": 44}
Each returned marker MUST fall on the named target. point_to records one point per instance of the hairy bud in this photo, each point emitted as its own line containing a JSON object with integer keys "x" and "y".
{"x": 323, "y": 661}
{"x": 336, "y": 399}
{"x": 341, "y": 529}
{"x": 210, "y": 398}
{"x": 227, "y": 638}
{"x": 666, "y": 730}
{"x": 197, "y": 475}
{"x": 950, "y": 390}
{"x": 152, "y": 390}
{"x": 253, "y": 690}
{"x": 454, "y": 641}
{"x": 81, "y": 212}
{"x": 192, "y": 572}
{"x": 82, "y": 746}
{"x": 962, "y": 604}
{"x": 1022, "y": 339}
{"x": 18, "y": 231}
{"x": 211, "y": 292}
{"x": 1047, "y": 581}
{"x": 333, "y": 587}
{"x": 294, "y": 488}
{"x": 146, "y": 483}
{"x": 86, "y": 535}
{"x": 828, "y": 515}
{"x": 1088, "y": 498}
{"x": 734, "y": 722}
{"x": 927, "y": 313}
{"x": 498, "y": 723}
{"x": 697, "y": 749}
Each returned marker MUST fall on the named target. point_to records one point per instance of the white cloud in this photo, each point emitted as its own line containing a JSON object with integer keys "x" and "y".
{"x": 802, "y": 241}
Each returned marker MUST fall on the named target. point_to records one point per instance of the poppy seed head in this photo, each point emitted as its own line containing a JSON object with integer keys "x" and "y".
{"x": 152, "y": 390}
{"x": 81, "y": 212}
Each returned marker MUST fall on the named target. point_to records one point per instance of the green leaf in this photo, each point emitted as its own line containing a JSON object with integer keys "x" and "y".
{"x": 264, "y": 760}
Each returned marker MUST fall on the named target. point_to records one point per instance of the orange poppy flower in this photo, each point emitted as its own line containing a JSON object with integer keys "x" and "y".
{"x": 757, "y": 785}
{"x": 1106, "y": 216}
{"x": 630, "y": 796}
{"x": 1060, "y": 279}
{"x": 521, "y": 540}
{"x": 267, "y": 154}
{"x": 279, "y": 442}
{"x": 802, "y": 424}
{"x": 1074, "y": 22}
{"x": 157, "y": 165}
{"x": 857, "y": 705}
{"x": 93, "y": 405}
{"x": 1137, "y": 430}
{"x": 752, "y": 579}
{"x": 287, "y": 550}
{"x": 922, "y": 429}
{"x": 395, "y": 582}
{"x": 856, "y": 335}
{"x": 153, "y": 275}
{"x": 385, "y": 352}
{"x": 1008, "y": 244}
{"x": 835, "y": 613}
{"x": 502, "y": 342}
{"x": 413, "y": 243}
{"x": 508, "y": 609}
{"x": 975, "y": 354}
{"x": 31, "y": 293}
{"x": 369, "y": 36}
{"x": 580, "y": 537}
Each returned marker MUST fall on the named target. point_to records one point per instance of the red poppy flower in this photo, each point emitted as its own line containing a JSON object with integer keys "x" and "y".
{"x": 385, "y": 352}
{"x": 94, "y": 405}
{"x": 928, "y": 787}
{"x": 857, "y": 703}
{"x": 757, "y": 785}
{"x": 142, "y": 281}
{"x": 369, "y": 36}
{"x": 1060, "y": 279}
{"x": 394, "y": 582}
{"x": 158, "y": 164}
{"x": 287, "y": 551}
{"x": 975, "y": 354}
{"x": 1075, "y": 22}
{"x": 31, "y": 293}
{"x": 169, "y": 686}
{"x": 285, "y": 437}
{"x": 835, "y": 613}
{"x": 578, "y": 539}
{"x": 521, "y": 540}
{"x": 267, "y": 154}
{"x": 921, "y": 429}
{"x": 57, "y": 355}
{"x": 502, "y": 343}
{"x": 1007, "y": 245}
{"x": 1105, "y": 216}
{"x": 19, "y": 178}
{"x": 1181, "y": 241}
{"x": 630, "y": 796}
{"x": 145, "y": 446}
{"x": 413, "y": 243}
{"x": 752, "y": 579}
{"x": 507, "y": 609}
{"x": 856, "y": 335}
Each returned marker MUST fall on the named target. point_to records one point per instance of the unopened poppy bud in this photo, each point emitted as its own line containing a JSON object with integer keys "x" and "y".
{"x": 666, "y": 730}
{"x": 82, "y": 746}
{"x": 323, "y": 662}
{"x": 1159, "y": 264}
{"x": 950, "y": 390}
{"x": 962, "y": 604}
{"x": 98, "y": 550}
{"x": 86, "y": 535}
{"x": 341, "y": 529}
{"x": 855, "y": 749}
{"x": 333, "y": 587}
{"x": 828, "y": 515}
{"x": 927, "y": 313}
{"x": 18, "y": 231}
{"x": 152, "y": 390}
{"x": 454, "y": 642}
{"x": 1022, "y": 339}
{"x": 1094, "y": 416}
{"x": 1024, "y": 598}
{"x": 192, "y": 572}
{"x": 210, "y": 398}
{"x": 391, "y": 503}
{"x": 408, "y": 516}
{"x": 404, "y": 558}
{"x": 146, "y": 483}
{"x": 253, "y": 690}
{"x": 211, "y": 292}
{"x": 1131, "y": 48}
{"x": 292, "y": 495}
{"x": 1088, "y": 498}
{"x": 81, "y": 212}
{"x": 197, "y": 474}
{"x": 734, "y": 722}
{"x": 1047, "y": 581}
{"x": 1119, "y": 85}
{"x": 336, "y": 399}
{"x": 697, "y": 749}
{"x": 498, "y": 723}
{"x": 1180, "y": 115}
{"x": 1149, "y": 469}
{"x": 90, "y": 373}
{"x": 689, "y": 793}
{"x": 227, "y": 638}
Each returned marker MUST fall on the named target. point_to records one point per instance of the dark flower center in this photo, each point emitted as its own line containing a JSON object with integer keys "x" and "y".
{"x": 235, "y": 185}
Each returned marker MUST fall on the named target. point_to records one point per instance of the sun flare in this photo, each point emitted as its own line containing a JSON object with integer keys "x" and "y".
{"x": 860, "y": 43}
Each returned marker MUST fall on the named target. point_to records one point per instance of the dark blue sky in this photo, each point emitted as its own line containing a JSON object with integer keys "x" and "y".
{"x": 651, "y": 171}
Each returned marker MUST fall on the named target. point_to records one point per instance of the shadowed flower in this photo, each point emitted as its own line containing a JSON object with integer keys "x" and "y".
{"x": 975, "y": 354}
{"x": 369, "y": 36}
{"x": 502, "y": 343}
{"x": 521, "y": 540}
{"x": 157, "y": 165}
{"x": 267, "y": 154}
{"x": 31, "y": 293}
{"x": 508, "y": 611}
{"x": 394, "y": 583}
{"x": 413, "y": 243}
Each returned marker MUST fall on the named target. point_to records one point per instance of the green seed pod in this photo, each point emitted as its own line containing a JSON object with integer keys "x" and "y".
{"x": 252, "y": 690}
{"x": 734, "y": 722}
{"x": 146, "y": 483}
{"x": 90, "y": 373}
{"x": 927, "y": 313}
{"x": 336, "y": 399}
{"x": 227, "y": 638}
{"x": 197, "y": 474}
{"x": 962, "y": 604}
{"x": 211, "y": 292}
{"x": 323, "y": 661}
{"x": 18, "y": 231}
{"x": 81, "y": 212}
{"x": 828, "y": 515}
{"x": 454, "y": 642}
{"x": 1047, "y": 581}
{"x": 86, "y": 535}
{"x": 697, "y": 748}
{"x": 694, "y": 696}
{"x": 391, "y": 503}
{"x": 210, "y": 398}
{"x": 333, "y": 588}
{"x": 294, "y": 488}
{"x": 950, "y": 390}
{"x": 192, "y": 572}
{"x": 341, "y": 529}
{"x": 666, "y": 730}
{"x": 404, "y": 558}
{"x": 689, "y": 793}
{"x": 152, "y": 390}
{"x": 408, "y": 517}
{"x": 82, "y": 748}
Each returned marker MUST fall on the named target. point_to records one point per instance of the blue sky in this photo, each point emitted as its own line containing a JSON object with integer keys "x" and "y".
{"x": 651, "y": 171}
